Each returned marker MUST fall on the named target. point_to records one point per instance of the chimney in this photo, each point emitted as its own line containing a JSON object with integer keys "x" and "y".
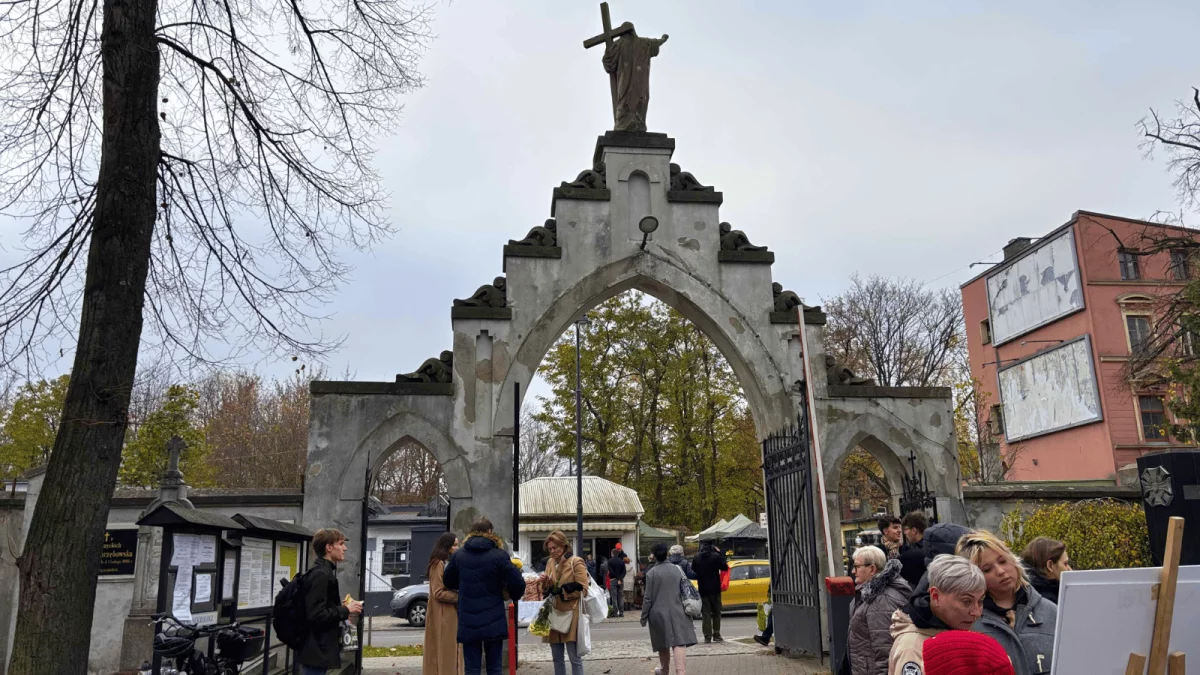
{"x": 1015, "y": 247}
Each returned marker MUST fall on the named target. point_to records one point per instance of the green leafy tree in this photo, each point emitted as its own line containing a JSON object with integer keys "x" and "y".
{"x": 28, "y": 428}
{"x": 145, "y": 456}
{"x": 662, "y": 413}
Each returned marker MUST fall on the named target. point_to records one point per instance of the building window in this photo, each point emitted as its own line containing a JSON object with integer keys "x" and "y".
{"x": 855, "y": 504}
{"x": 1153, "y": 417}
{"x": 1139, "y": 333}
{"x": 1180, "y": 269}
{"x": 395, "y": 557}
{"x": 985, "y": 331}
{"x": 1129, "y": 266}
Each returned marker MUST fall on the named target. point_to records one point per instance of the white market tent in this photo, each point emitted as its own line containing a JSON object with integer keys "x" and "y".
{"x": 722, "y": 528}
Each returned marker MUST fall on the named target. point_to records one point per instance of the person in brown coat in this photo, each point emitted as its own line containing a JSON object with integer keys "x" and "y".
{"x": 443, "y": 654}
{"x": 567, "y": 575}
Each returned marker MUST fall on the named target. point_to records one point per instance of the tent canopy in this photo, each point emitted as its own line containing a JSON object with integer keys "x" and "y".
{"x": 652, "y": 533}
{"x": 751, "y": 531}
{"x": 722, "y": 529}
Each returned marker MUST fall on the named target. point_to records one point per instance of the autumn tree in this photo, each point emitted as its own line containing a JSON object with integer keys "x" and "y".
{"x": 145, "y": 457}
{"x": 29, "y": 424}
{"x": 662, "y": 413}
{"x": 191, "y": 163}
{"x": 410, "y": 475}
{"x": 539, "y": 454}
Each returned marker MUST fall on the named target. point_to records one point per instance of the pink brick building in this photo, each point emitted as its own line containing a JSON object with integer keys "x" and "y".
{"x": 1049, "y": 332}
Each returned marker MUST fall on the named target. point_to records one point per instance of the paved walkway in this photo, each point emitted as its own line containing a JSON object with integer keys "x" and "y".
{"x": 629, "y": 658}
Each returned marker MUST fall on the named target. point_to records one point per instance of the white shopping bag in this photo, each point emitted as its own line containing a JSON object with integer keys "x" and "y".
{"x": 596, "y": 601}
{"x": 583, "y": 637}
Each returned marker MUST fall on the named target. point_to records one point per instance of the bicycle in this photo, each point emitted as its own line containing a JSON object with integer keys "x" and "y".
{"x": 175, "y": 642}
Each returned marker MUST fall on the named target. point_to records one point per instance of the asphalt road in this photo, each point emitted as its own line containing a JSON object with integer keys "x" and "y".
{"x": 732, "y": 626}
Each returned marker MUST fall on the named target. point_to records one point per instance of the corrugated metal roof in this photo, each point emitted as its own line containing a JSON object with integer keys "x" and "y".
{"x": 588, "y": 526}
{"x": 555, "y": 496}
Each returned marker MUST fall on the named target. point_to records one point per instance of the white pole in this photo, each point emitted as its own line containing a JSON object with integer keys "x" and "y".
{"x": 816, "y": 439}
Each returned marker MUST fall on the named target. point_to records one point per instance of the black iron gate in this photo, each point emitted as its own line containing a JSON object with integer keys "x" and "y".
{"x": 917, "y": 496}
{"x": 792, "y": 528}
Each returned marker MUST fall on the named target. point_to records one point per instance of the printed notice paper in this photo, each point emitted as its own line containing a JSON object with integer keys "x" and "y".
{"x": 181, "y": 597}
{"x": 203, "y": 588}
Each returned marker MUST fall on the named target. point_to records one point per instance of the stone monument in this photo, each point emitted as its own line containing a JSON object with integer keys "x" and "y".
{"x": 627, "y": 62}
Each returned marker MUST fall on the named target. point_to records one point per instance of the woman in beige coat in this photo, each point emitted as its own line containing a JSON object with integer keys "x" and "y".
{"x": 567, "y": 574}
{"x": 443, "y": 654}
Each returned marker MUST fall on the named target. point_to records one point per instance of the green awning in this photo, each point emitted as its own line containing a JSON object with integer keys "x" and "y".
{"x": 649, "y": 532}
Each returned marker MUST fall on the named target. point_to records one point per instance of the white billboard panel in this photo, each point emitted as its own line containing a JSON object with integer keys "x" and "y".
{"x": 1036, "y": 289}
{"x": 1052, "y": 390}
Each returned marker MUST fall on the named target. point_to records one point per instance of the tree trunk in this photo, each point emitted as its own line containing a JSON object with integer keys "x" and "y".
{"x": 61, "y": 559}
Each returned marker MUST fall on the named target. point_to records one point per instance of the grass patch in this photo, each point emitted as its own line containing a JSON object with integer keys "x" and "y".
{"x": 403, "y": 650}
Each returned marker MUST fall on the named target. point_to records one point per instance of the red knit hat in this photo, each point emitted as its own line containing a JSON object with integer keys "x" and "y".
{"x": 961, "y": 652}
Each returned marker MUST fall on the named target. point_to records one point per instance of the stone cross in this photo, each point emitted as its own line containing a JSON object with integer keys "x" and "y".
{"x": 606, "y": 38}
{"x": 173, "y": 476}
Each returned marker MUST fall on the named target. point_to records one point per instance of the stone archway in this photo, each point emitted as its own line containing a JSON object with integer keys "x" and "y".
{"x": 596, "y": 248}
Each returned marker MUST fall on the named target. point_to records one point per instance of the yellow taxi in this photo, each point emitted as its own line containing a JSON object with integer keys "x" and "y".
{"x": 749, "y": 585}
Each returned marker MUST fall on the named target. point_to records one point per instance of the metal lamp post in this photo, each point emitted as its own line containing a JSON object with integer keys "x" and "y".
{"x": 579, "y": 323}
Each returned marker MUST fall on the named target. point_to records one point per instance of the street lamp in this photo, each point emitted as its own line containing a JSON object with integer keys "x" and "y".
{"x": 579, "y": 324}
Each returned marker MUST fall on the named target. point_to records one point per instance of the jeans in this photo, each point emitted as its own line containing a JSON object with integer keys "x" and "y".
{"x": 473, "y": 656}
{"x": 710, "y": 611}
{"x": 313, "y": 670}
{"x": 618, "y": 596}
{"x": 560, "y": 667}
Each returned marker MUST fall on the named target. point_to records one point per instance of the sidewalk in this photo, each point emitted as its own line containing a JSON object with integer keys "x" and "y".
{"x": 635, "y": 658}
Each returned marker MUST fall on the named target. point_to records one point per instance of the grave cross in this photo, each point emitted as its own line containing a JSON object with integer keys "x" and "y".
{"x": 173, "y": 476}
{"x": 606, "y": 38}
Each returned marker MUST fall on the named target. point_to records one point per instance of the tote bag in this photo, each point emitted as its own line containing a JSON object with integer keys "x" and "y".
{"x": 689, "y": 596}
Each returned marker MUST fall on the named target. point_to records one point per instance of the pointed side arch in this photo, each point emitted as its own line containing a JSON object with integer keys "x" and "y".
{"x": 390, "y": 434}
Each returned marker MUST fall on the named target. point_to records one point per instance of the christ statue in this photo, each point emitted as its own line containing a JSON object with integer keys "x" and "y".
{"x": 628, "y": 60}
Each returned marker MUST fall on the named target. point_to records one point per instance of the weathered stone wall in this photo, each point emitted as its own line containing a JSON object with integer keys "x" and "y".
{"x": 12, "y": 522}
{"x": 986, "y": 505}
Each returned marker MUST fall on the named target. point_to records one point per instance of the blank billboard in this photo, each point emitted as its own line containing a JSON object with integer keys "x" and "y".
{"x": 1036, "y": 289}
{"x": 1052, "y": 390}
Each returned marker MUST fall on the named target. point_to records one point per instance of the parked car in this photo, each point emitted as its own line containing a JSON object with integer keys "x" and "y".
{"x": 749, "y": 585}
{"x": 411, "y": 603}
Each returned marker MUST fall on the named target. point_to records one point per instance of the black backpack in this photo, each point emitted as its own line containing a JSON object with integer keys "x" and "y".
{"x": 289, "y": 618}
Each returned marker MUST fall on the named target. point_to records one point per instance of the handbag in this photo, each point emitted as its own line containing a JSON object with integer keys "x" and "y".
{"x": 724, "y": 581}
{"x": 560, "y": 621}
{"x": 689, "y": 596}
{"x": 583, "y": 640}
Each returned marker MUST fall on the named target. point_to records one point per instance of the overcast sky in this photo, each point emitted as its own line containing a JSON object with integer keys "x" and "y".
{"x": 904, "y": 139}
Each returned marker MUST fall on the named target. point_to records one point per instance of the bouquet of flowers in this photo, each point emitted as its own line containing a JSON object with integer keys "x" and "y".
{"x": 541, "y": 624}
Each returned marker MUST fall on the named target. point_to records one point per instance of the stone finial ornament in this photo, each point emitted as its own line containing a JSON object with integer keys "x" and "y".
{"x": 785, "y": 301}
{"x": 488, "y": 295}
{"x": 839, "y": 375}
{"x": 589, "y": 179}
{"x": 682, "y": 181}
{"x": 736, "y": 240}
{"x": 439, "y": 370}
{"x": 541, "y": 235}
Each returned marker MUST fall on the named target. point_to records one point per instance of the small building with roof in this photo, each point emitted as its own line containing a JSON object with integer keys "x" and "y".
{"x": 611, "y": 514}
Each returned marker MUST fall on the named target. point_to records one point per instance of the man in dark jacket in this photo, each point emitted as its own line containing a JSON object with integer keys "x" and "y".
{"x": 324, "y": 611}
{"x": 616, "y": 576}
{"x": 481, "y": 571}
{"x": 708, "y": 565}
{"x": 912, "y": 554}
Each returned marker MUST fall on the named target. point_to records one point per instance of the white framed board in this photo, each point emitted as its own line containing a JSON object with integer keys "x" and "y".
{"x": 1105, "y": 615}
{"x": 1052, "y": 390}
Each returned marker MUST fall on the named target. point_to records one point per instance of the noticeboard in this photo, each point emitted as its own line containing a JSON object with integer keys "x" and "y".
{"x": 255, "y": 586}
{"x": 118, "y": 557}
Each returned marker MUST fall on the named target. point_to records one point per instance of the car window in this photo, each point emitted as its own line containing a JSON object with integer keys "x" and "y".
{"x": 740, "y": 573}
{"x": 762, "y": 572}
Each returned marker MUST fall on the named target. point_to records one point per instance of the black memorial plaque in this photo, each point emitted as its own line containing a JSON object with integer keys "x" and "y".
{"x": 119, "y": 555}
{"x": 1170, "y": 483}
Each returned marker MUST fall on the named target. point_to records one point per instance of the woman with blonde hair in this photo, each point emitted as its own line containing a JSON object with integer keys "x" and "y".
{"x": 1014, "y": 613}
{"x": 566, "y": 577}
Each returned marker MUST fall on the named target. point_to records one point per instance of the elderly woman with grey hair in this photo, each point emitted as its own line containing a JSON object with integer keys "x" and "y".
{"x": 675, "y": 557}
{"x": 879, "y": 592}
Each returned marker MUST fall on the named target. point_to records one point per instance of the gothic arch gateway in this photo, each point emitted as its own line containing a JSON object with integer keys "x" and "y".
{"x": 596, "y": 249}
